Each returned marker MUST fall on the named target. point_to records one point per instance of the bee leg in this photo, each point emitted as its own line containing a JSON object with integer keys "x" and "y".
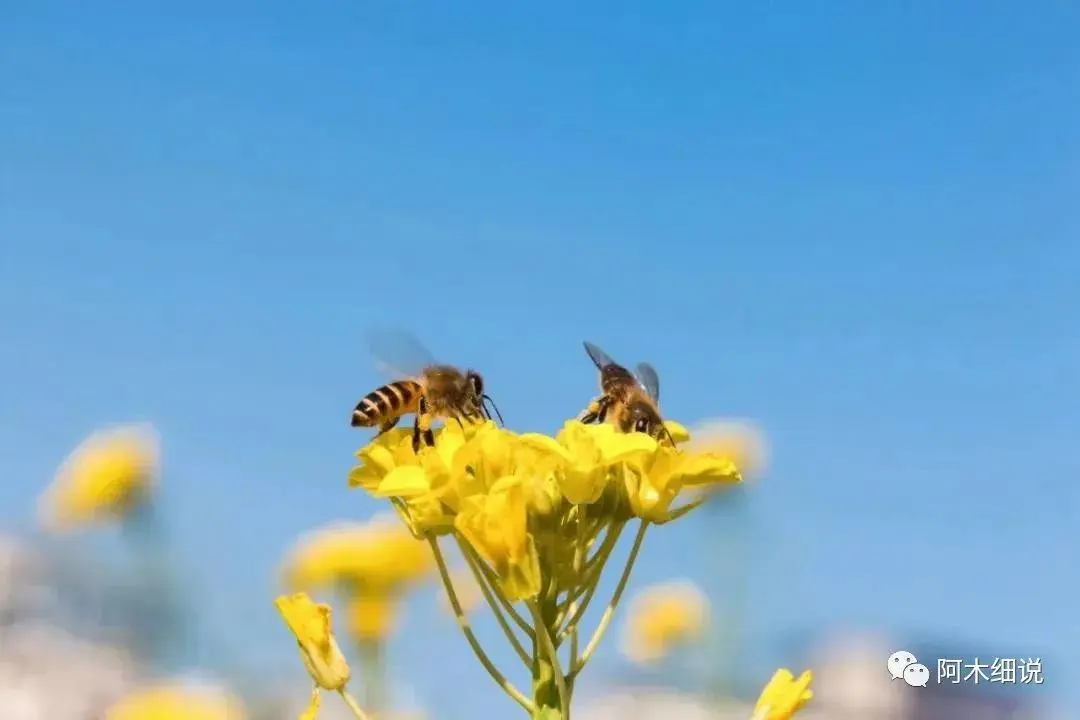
{"x": 387, "y": 426}
{"x": 416, "y": 436}
{"x": 596, "y": 412}
{"x": 422, "y": 425}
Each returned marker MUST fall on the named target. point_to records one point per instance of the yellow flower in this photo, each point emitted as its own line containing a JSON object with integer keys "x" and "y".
{"x": 429, "y": 482}
{"x": 311, "y": 624}
{"x": 652, "y": 483}
{"x": 106, "y": 476}
{"x": 372, "y": 617}
{"x": 662, "y": 618}
{"x": 378, "y": 458}
{"x": 783, "y": 696}
{"x": 581, "y": 456}
{"x": 496, "y": 525}
{"x": 379, "y": 556}
{"x": 176, "y": 702}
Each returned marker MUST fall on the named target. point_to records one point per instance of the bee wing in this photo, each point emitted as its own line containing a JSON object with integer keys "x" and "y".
{"x": 599, "y": 357}
{"x": 398, "y": 354}
{"x": 646, "y": 375}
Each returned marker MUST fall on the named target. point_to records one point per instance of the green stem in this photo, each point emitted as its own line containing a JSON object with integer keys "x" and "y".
{"x": 609, "y": 612}
{"x": 571, "y": 615}
{"x": 477, "y": 563}
{"x": 489, "y": 596}
{"x": 463, "y": 622}
{"x": 354, "y": 706}
{"x": 550, "y": 689}
{"x": 681, "y": 511}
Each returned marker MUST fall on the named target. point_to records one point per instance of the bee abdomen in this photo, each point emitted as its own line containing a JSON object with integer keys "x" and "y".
{"x": 389, "y": 401}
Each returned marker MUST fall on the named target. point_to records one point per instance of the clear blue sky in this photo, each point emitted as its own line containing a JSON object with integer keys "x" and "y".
{"x": 857, "y": 224}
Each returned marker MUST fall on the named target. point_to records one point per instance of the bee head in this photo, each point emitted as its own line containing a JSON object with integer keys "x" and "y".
{"x": 481, "y": 400}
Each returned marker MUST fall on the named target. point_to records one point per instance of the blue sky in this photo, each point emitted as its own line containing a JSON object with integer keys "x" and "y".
{"x": 856, "y": 224}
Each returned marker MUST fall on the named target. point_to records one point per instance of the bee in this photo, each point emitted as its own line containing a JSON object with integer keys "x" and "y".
{"x": 630, "y": 401}
{"x": 431, "y": 391}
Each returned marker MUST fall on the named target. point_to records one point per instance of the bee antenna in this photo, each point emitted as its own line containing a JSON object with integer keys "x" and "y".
{"x": 485, "y": 402}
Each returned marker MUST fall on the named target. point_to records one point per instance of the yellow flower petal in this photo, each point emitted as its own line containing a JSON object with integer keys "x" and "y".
{"x": 496, "y": 525}
{"x": 678, "y": 433}
{"x": 783, "y": 696}
{"x": 378, "y": 457}
{"x": 696, "y": 470}
{"x": 403, "y": 482}
{"x": 625, "y": 447}
{"x": 545, "y": 444}
{"x": 740, "y": 440}
{"x": 583, "y": 487}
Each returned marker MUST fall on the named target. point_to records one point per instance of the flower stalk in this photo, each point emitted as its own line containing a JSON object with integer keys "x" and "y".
{"x": 372, "y": 655}
{"x": 550, "y": 690}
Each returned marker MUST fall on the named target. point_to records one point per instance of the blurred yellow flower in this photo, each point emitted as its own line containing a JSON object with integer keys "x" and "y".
{"x": 311, "y": 624}
{"x": 372, "y": 617}
{"x": 375, "y": 558}
{"x": 176, "y": 702}
{"x": 739, "y": 440}
{"x": 783, "y": 696}
{"x": 106, "y": 477}
{"x": 662, "y": 618}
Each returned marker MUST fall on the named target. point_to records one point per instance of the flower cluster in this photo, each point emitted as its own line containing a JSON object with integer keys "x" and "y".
{"x": 537, "y": 518}
{"x": 529, "y": 501}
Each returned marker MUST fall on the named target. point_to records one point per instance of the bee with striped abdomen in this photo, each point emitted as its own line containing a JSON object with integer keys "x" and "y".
{"x": 432, "y": 391}
{"x": 630, "y": 401}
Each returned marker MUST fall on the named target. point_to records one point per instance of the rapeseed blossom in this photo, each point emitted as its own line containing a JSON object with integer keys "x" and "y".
{"x": 106, "y": 478}
{"x": 171, "y": 701}
{"x": 783, "y": 696}
{"x": 377, "y": 557}
{"x": 663, "y": 617}
{"x": 537, "y": 518}
{"x": 312, "y": 626}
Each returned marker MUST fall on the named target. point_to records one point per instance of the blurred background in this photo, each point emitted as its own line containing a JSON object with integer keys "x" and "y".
{"x": 853, "y": 223}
